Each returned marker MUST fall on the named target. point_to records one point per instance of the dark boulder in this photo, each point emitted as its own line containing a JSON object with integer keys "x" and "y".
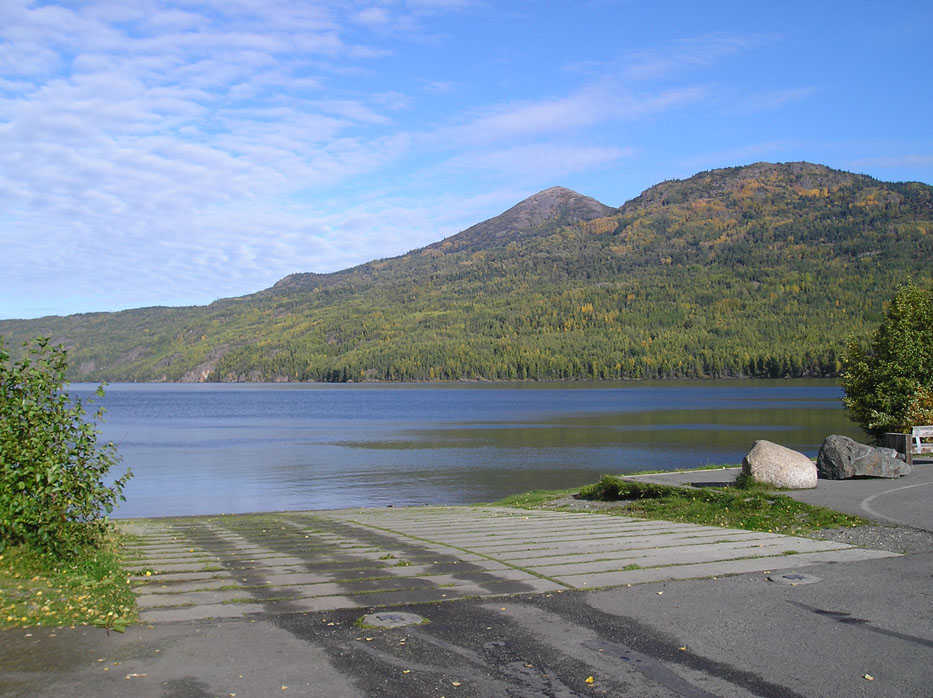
{"x": 841, "y": 458}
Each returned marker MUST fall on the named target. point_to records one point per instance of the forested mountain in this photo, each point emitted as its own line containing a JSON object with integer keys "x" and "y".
{"x": 760, "y": 270}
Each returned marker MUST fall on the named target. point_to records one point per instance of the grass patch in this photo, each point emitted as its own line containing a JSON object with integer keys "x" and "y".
{"x": 753, "y": 506}
{"x": 90, "y": 589}
{"x": 532, "y": 499}
{"x": 537, "y": 498}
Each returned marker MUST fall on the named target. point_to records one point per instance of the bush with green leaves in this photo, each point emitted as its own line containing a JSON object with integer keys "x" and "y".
{"x": 888, "y": 383}
{"x": 54, "y": 490}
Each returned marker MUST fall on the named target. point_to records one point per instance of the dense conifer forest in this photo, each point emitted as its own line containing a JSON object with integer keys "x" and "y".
{"x": 762, "y": 270}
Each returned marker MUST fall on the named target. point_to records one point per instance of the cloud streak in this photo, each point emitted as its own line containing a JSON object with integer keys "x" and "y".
{"x": 546, "y": 161}
{"x": 591, "y": 105}
{"x": 687, "y": 54}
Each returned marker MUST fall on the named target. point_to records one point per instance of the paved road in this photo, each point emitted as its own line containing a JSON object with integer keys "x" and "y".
{"x": 736, "y": 636}
{"x": 907, "y": 501}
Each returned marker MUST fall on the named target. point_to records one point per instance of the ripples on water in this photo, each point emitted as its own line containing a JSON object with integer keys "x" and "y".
{"x": 198, "y": 449}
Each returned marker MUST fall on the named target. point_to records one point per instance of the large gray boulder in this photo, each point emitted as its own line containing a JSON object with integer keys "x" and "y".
{"x": 778, "y": 466}
{"x": 841, "y": 458}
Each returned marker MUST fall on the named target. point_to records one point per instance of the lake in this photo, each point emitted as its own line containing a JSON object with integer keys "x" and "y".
{"x": 222, "y": 448}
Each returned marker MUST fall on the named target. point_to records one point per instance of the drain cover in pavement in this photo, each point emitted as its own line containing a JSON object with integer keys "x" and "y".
{"x": 391, "y": 619}
{"x": 794, "y": 578}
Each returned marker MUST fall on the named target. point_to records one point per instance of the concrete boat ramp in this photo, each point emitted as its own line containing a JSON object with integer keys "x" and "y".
{"x": 291, "y": 562}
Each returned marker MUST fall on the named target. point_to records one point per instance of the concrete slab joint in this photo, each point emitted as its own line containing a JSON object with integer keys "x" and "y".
{"x": 237, "y": 566}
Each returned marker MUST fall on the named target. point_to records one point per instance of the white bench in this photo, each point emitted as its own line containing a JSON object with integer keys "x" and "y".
{"x": 922, "y": 438}
{"x": 918, "y": 442}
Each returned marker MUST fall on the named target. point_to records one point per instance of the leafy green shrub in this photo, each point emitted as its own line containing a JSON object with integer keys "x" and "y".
{"x": 611, "y": 488}
{"x": 53, "y": 493}
{"x": 889, "y": 384}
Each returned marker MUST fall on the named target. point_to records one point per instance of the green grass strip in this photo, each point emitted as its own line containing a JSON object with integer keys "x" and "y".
{"x": 750, "y": 506}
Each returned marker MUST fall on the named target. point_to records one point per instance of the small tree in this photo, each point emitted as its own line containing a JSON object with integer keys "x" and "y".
{"x": 53, "y": 494}
{"x": 889, "y": 384}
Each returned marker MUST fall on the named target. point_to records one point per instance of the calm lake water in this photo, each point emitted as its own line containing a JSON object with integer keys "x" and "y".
{"x": 204, "y": 449}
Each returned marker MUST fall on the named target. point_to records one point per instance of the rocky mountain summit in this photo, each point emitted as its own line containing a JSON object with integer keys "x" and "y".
{"x": 550, "y": 207}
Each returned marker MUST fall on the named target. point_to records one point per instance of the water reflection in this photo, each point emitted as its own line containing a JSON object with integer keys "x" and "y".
{"x": 212, "y": 449}
{"x": 718, "y": 429}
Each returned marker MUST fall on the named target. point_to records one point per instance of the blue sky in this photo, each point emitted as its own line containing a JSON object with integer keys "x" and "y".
{"x": 171, "y": 153}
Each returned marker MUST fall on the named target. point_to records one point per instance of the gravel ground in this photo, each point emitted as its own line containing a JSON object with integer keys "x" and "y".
{"x": 571, "y": 503}
{"x": 895, "y": 539}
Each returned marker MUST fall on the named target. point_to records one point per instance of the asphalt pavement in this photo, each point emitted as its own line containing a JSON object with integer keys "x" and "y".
{"x": 856, "y": 629}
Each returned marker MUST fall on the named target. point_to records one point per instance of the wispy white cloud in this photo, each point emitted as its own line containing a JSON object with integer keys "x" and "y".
{"x": 350, "y": 109}
{"x": 434, "y": 5}
{"x": 392, "y": 100}
{"x": 688, "y": 53}
{"x": 151, "y": 144}
{"x": 372, "y": 16}
{"x": 771, "y": 99}
{"x": 591, "y": 105}
{"x": 439, "y": 86}
{"x": 547, "y": 161}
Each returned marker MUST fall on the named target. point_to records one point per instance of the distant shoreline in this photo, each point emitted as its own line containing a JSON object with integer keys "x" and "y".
{"x": 568, "y": 383}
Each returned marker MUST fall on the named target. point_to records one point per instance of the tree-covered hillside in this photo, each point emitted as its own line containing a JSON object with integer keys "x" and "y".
{"x": 754, "y": 271}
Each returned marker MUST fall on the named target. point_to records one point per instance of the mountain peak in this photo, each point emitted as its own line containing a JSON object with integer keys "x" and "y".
{"x": 555, "y": 191}
{"x": 554, "y": 205}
